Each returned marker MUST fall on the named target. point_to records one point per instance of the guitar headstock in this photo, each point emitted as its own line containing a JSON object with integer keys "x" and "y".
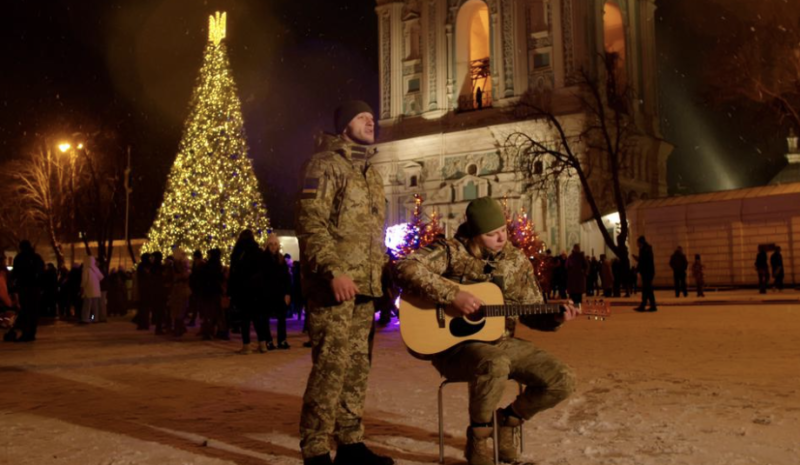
{"x": 596, "y": 309}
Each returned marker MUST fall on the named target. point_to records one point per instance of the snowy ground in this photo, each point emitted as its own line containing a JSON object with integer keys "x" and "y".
{"x": 709, "y": 385}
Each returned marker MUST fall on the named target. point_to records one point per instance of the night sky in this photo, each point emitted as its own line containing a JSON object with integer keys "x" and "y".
{"x": 129, "y": 67}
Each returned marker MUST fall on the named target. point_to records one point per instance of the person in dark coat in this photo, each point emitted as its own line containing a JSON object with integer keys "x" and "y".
{"x": 278, "y": 289}
{"x": 606, "y": 276}
{"x": 26, "y": 279}
{"x": 49, "y": 284}
{"x": 577, "y": 269}
{"x": 593, "y": 277}
{"x": 159, "y": 275}
{"x": 762, "y": 268}
{"x": 776, "y": 262}
{"x": 647, "y": 270}
{"x": 679, "y": 265}
{"x": 245, "y": 287}
{"x": 698, "y": 271}
{"x": 209, "y": 279}
{"x": 74, "y": 287}
{"x": 560, "y": 276}
{"x": 144, "y": 293}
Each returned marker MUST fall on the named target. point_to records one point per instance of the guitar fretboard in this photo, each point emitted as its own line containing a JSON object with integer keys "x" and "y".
{"x": 521, "y": 309}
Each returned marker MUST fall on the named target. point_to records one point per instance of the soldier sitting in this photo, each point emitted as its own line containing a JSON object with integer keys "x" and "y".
{"x": 479, "y": 253}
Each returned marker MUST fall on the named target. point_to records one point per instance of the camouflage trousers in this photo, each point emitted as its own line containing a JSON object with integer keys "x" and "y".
{"x": 488, "y": 366}
{"x": 334, "y": 399}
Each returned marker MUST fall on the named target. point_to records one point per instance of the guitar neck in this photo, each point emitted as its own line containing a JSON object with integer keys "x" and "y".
{"x": 521, "y": 309}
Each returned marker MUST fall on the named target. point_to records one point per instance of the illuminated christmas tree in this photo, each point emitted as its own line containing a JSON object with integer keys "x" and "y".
{"x": 212, "y": 193}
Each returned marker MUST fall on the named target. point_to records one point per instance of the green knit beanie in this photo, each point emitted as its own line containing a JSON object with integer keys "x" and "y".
{"x": 484, "y": 215}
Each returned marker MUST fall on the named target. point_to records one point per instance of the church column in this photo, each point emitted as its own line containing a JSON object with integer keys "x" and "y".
{"x": 647, "y": 22}
{"x": 496, "y": 47}
{"x": 390, "y": 31}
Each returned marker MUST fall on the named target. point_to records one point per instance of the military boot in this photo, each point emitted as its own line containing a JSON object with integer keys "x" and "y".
{"x": 478, "y": 451}
{"x": 508, "y": 436}
{"x": 359, "y": 454}
{"x": 324, "y": 459}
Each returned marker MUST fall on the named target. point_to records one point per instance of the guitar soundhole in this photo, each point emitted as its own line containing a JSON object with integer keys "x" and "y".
{"x": 477, "y": 316}
{"x": 459, "y": 327}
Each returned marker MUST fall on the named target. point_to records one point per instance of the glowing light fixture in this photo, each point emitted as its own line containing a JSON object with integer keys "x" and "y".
{"x": 64, "y": 146}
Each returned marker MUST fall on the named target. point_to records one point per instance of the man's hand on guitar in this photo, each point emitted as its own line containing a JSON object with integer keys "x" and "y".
{"x": 343, "y": 288}
{"x": 571, "y": 311}
{"x": 466, "y": 303}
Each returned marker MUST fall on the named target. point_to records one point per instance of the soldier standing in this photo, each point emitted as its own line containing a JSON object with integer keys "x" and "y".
{"x": 340, "y": 225}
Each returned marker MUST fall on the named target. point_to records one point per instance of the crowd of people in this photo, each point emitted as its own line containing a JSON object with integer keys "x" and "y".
{"x": 169, "y": 294}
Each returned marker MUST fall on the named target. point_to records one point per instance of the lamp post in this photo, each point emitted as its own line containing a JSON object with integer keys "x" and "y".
{"x": 66, "y": 147}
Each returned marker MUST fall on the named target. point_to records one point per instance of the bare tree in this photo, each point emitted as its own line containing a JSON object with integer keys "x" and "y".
{"x": 39, "y": 187}
{"x": 99, "y": 198}
{"x": 15, "y": 221}
{"x": 594, "y": 153}
{"x": 758, "y": 58}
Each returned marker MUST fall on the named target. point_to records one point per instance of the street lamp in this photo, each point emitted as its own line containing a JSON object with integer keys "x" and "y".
{"x": 65, "y": 147}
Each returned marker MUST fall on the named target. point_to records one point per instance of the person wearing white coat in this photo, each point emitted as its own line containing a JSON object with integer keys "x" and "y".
{"x": 92, "y": 297}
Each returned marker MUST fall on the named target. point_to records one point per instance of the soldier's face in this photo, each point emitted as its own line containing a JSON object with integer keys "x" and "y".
{"x": 495, "y": 240}
{"x": 361, "y": 129}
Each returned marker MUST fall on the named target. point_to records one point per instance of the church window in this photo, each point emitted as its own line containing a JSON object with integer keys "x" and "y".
{"x": 473, "y": 56}
{"x": 538, "y": 167}
{"x": 541, "y": 60}
{"x": 614, "y": 44}
{"x": 470, "y": 191}
{"x": 413, "y": 181}
{"x": 413, "y": 85}
{"x": 472, "y": 169}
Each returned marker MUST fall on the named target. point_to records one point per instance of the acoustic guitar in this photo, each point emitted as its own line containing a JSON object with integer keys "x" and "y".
{"x": 428, "y": 328}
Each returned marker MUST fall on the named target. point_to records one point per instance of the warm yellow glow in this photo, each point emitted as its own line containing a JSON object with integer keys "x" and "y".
{"x": 479, "y": 34}
{"x": 216, "y": 27}
{"x": 64, "y": 146}
{"x": 80, "y": 146}
{"x": 614, "y": 40}
{"x": 212, "y": 193}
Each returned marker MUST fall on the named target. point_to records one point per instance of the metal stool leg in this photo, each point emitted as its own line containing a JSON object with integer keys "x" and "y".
{"x": 521, "y": 441}
{"x": 441, "y": 423}
{"x": 495, "y": 439}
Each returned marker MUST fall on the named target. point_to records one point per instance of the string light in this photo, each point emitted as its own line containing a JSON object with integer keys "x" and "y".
{"x": 404, "y": 238}
{"x": 212, "y": 193}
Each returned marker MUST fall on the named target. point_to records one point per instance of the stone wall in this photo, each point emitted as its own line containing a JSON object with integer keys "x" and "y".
{"x": 725, "y": 228}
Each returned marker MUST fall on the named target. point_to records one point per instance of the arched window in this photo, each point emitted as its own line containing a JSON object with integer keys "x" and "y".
{"x": 472, "y": 169}
{"x": 473, "y": 56}
{"x": 412, "y": 182}
{"x": 614, "y": 43}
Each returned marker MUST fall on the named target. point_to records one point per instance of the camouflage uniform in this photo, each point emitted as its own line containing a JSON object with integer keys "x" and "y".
{"x": 340, "y": 226}
{"x": 487, "y": 366}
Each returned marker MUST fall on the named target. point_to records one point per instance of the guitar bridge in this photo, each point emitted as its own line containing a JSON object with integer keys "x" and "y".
{"x": 440, "y": 316}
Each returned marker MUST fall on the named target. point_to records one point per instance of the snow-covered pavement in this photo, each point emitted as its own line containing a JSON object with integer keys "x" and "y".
{"x": 706, "y": 385}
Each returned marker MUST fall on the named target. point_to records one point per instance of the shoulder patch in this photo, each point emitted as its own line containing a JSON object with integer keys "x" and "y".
{"x": 310, "y": 188}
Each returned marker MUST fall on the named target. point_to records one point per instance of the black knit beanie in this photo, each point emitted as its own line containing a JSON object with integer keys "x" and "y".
{"x": 347, "y": 111}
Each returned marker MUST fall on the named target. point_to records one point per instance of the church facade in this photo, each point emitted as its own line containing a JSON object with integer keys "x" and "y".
{"x": 451, "y": 71}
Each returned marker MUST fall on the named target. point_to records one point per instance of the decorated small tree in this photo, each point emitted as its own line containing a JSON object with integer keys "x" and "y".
{"x": 522, "y": 234}
{"x": 212, "y": 193}
{"x": 404, "y": 238}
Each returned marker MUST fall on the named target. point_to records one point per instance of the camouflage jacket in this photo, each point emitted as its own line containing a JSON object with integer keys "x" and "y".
{"x": 432, "y": 270}
{"x": 340, "y": 220}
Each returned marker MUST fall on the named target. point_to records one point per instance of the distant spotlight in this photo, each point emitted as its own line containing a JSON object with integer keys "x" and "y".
{"x": 80, "y": 146}
{"x": 64, "y": 147}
